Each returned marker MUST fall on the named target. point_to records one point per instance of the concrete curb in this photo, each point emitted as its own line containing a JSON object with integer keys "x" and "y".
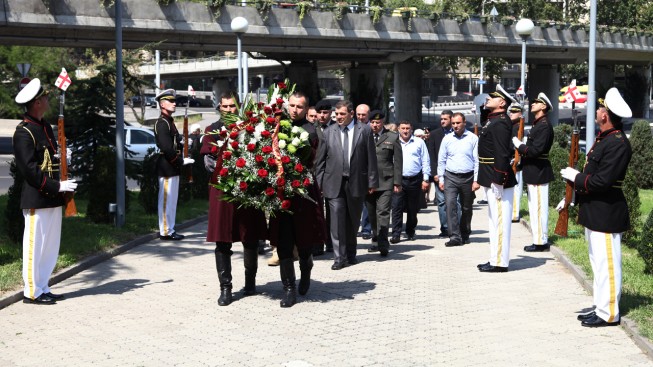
{"x": 627, "y": 324}
{"x": 96, "y": 259}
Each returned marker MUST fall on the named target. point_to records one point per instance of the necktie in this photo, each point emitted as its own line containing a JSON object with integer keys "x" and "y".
{"x": 376, "y": 138}
{"x": 345, "y": 149}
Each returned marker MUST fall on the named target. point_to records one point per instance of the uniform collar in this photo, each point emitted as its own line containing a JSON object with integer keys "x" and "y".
{"x": 539, "y": 119}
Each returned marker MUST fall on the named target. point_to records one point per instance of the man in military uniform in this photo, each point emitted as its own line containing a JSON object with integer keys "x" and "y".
{"x": 537, "y": 172}
{"x": 390, "y": 164}
{"x": 496, "y": 177}
{"x": 36, "y": 152}
{"x": 168, "y": 165}
{"x": 603, "y": 208}
{"x": 515, "y": 113}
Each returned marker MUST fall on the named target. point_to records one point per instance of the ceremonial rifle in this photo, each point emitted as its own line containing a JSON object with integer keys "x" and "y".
{"x": 189, "y": 169}
{"x": 520, "y": 136}
{"x": 69, "y": 200}
{"x": 563, "y": 216}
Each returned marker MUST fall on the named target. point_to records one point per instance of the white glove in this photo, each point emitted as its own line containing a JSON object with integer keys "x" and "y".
{"x": 188, "y": 161}
{"x": 69, "y": 185}
{"x": 561, "y": 205}
{"x": 497, "y": 190}
{"x": 512, "y": 161}
{"x": 516, "y": 142}
{"x": 569, "y": 173}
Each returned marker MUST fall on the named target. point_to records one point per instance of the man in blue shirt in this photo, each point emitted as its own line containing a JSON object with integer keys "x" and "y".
{"x": 457, "y": 177}
{"x": 415, "y": 180}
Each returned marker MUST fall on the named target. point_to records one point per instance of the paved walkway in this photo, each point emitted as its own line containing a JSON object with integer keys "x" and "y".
{"x": 424, "y": 305}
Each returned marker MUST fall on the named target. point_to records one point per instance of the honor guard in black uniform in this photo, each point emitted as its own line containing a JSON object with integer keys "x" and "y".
{"x": 168, "y": 165}
{"x": 603, "y": 209}
{"x": 36, "y": 155}
{"x": 496, "y": 177}
{"x": 515, "y": 112}
{"x": 537, "y": 172}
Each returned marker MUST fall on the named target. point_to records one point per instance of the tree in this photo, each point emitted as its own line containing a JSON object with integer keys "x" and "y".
{"x": 641, "y": 143}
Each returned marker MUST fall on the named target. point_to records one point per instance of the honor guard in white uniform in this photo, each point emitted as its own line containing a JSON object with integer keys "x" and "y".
{"x": 515, "y": 112}
{"x": 168, "y": 165}
{"x": 496, "y": 177}
{"x": 36, "y": 152}
{"x": 603, "y": 208}
{"x": 537, "y": 172}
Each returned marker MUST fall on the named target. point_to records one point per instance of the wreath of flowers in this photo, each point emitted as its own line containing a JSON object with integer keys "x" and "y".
{"x": 259, "y": 153}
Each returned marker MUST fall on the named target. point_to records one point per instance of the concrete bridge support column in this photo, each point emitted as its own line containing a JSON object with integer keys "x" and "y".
{"x": 637, "y": 90}
{"x": 408, "y": 91}
{"x": 365, "y": 84}
{"x": 604, "y": 79}
{"x": 221, "y": 85}
{"x": 304, "y": 74}
{"x": 544, "y": 79}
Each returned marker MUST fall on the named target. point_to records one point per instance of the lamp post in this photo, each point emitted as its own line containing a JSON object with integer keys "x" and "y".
{"x": 239, "y": 26}
{"x": 524, "y": 28}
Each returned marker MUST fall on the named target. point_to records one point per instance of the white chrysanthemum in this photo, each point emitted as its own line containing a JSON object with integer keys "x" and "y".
{"x": 257, "y": 135}
{"x": 303, "y": 136}
{"x": 220, "y": 143}
{"x": 296, "y": 142}
{"x": 253, "y": 140}
{"x": 259, "y": 127}
{"x": 282, "y": 144}
{"x": 295, "y": 129}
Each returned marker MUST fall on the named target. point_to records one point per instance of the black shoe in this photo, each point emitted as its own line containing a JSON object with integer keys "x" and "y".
{"x": 373, "y": 248}
{"x": 596, "y": 321}
{"x": 329, "y": 249}
{"x": 383, "y": 252}
{"x": 352, "y": 261}
{"x": 586, "y": 316}
{"x": 366, "y": 235}
{"x": 453, "y": 243}
{"x": 173, "y": 237}
{"x": 411, "y": 237}
{"x": 43, "y": 299}
{"x": 492, "y": 269}
{"x": 481, "y": 202}
{"x": 338, "y": 265}
{"x": 482, "y": 265}
{"x": 516, "y": 220}
{"x": 443, "y": 234}
{"x": 395, "y": 239}
{"x": 537, "y": 248}
{"x": 55, "y": 297}
{"x": 466, "y": 241}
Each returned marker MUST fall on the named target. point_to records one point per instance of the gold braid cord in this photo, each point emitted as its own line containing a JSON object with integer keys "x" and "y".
{"x": 46, "y": 166}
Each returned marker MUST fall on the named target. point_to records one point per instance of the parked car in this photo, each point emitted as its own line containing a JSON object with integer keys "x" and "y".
{"x": 137, "y": 101}
{"x": 182, "y": 100}
{"x": 137, "y": 141}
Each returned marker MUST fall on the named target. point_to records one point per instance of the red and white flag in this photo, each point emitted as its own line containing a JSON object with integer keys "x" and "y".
{"x": 63, "y": 81}
{"x": 572, "y": 94}
{"x": 520, "y": 90}
{"x": 191, "y": 91}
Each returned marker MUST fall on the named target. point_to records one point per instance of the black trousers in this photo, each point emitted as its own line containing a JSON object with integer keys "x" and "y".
{"x": 408, "y": 199}
{"x": 287, "y": 238}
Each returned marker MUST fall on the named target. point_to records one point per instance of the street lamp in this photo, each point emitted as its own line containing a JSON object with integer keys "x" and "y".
{"x": 524, "y": 29}
{"x": 239, "y": 26}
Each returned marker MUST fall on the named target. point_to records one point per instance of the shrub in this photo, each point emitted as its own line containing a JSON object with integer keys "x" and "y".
{"x": 645, "y": 244}
{"x": 102, "y": 186}
{"x": 149, "y": 183}
{"x": 641, "y": 143}
{"x": 15, "y": 222}
{"x": 631, "y": 192}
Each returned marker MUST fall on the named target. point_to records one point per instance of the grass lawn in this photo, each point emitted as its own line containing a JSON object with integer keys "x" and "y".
{"x": 637, "y": 288}
{"x": 80, "y": 237}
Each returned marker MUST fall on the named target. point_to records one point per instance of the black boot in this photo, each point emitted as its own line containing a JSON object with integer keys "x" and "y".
{"x": 250, "y": 259}
{"x": 223, "y": 264}
{"x": 287, "y": 269}
{"x": 305, "y": 266}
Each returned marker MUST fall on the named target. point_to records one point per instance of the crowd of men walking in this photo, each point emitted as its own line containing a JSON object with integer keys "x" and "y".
{"x": 365, "y": 171}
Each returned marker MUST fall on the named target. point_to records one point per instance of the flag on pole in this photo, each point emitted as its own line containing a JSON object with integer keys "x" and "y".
{"x": 63, "y": 81}
{"x": 191, "y": 91}
{"x": 520, "y": 90}
{"x": 572, "y": 94}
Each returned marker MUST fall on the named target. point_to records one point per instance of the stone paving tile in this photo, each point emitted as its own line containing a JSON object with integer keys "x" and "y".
{"x": 424, "y": 305}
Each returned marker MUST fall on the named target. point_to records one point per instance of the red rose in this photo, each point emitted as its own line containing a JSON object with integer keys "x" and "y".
{"x": 223, "y": 133}
{"x": 266, "y": 149}
{"x": 259, "y": 158}
{"x": 240, "y": 162}
{"x": 233, "y": 135}
{"x": 226, "y": 155}
{"x": 224, "y": 172}
{"x": 299, "y": 168}
{"x": 231, "y": 126}
{"x": 260, "y": 104}
{"x": 214, "y": 149}
{"x": 234, "y": 144}
{"x": 249, "y": 113}
{"x": 251, "y": 147}
{"x": 282, "y": 85}
{"x": 269, "y": 191}
{"x": 267, "y": 110}
{"x": 285, "y": 159}
{"x": 270, "y": 120}
{"x": 281, "y": 181}
{"x": 265, "y": 134}
{"x": 307, "y": 182}
{"x": 279, "y": 101}
{"x": 253, "y": 120}
{"x": 243, "y": 185}
{"x": 250, "y": 129}
{"x": 295, "y": 184}
{"x": 262, "y": 173}
{"x": 272, "y": 161}
{"x": 285, "y": 205}
{"x": 278, "y": 111}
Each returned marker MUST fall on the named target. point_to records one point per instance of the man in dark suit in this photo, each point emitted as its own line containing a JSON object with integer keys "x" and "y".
{"x": 346, "y": 172}
{"x": 323, "y": 120}
{"x": 390, "y": 162}
{"x": 433, "y": 146}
